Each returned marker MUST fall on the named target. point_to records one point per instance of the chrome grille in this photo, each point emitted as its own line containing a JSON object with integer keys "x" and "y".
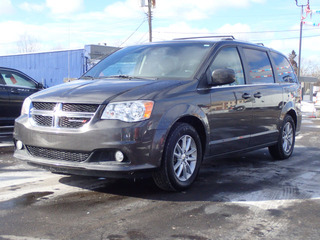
{"x": 72, "y": 122}
{"x": 53, "y": 154}
{"x": 79, "y": 107}
{"x": 43, "y": 120}
{"x": 62, "y": 115}
{"x": 44, "y": 106}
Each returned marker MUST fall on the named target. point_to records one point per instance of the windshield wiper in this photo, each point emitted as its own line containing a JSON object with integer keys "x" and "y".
{"x": 112, "y": 76}
{"x": 128, "y": 77}
{"x": 87, "y": 77}
{"x": 118, "y": 76}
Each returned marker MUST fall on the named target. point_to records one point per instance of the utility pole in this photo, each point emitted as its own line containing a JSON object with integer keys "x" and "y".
{"x": 151, "y": 4}
{"x": 300, "y": 38}
{"x": 150, "y": 19}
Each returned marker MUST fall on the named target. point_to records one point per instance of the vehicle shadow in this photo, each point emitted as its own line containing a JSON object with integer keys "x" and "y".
{"x": 250, "y": 177}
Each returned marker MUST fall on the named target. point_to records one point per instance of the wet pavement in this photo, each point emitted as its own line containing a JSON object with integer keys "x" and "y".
{"x": 249, "y": 196}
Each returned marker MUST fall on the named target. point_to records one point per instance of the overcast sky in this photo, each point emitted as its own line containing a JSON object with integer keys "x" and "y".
{"x": 70, "y": 24}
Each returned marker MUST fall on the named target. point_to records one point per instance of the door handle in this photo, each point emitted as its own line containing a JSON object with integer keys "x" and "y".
{"x": 257, "y": 95}
{"x": 246, "y": 96}
{"x": 14, "y": 91}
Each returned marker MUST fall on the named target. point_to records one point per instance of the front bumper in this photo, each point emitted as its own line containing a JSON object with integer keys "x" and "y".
{"x": 58, "y": 149}
{"x": 109, "y": 170}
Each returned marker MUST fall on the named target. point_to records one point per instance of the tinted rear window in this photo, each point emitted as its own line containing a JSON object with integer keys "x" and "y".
{"x": 283, "y": 70}
{"x": 260, "y": 70}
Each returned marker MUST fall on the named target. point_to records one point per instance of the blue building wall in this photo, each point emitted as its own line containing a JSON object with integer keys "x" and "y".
{"x": 49, "y": 68}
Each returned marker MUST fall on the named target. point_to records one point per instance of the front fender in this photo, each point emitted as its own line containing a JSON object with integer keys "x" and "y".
{"x": 169, "y": 118}
{"x": 180, "y": 111}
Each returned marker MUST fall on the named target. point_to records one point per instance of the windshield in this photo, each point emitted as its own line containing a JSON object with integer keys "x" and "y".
{"x": 174, "y": 60}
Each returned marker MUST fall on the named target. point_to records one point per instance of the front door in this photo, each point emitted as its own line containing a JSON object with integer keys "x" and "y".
{"x": 230, "y": 113}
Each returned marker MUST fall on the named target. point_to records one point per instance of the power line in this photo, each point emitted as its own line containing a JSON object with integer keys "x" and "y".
{"x": 140, "y": 40}
{"x": 251, "y": 32}
{"x": 288, "y": 38}
{"x": 144, "y": 20}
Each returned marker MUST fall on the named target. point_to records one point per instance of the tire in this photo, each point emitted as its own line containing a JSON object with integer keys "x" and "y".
{"x": 181, "y": 159}
{"x": 284, "y": 147}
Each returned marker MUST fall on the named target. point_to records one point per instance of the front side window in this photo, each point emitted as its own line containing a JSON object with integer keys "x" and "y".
{"x": 229, "y": 58}
{"x": 284, "y": 70}
{"x": 176, "y": 60}
{"x": 260, "y": 70}
{"x": 15, "y": 79}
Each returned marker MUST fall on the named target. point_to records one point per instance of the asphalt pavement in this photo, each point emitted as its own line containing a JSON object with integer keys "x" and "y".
{"x": 249, "y": 196}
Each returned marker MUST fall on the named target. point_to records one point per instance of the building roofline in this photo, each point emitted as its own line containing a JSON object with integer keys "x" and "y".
{"x": 40, "y": 52}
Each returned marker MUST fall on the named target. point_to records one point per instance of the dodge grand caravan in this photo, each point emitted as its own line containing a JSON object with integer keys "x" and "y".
{"x": 161, "y": 108}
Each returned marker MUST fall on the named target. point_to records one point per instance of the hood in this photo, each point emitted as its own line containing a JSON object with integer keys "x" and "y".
{"x": 101, "y": 90}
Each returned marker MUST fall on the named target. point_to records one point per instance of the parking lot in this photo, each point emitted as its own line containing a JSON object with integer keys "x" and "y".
{"x": 249, "y": 196}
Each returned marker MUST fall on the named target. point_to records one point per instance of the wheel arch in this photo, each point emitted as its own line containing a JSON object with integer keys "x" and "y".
{"x": 293, "y": 114}
{"x": 198, "y": 126}
{"x": 189, "y": 114}
{"x": 289, "y": 109}
{"x": 166, "y": 176}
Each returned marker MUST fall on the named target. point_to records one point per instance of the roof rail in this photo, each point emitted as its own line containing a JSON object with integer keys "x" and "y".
{"x": 224, "y": 37}
{"x": 260, "y": 44}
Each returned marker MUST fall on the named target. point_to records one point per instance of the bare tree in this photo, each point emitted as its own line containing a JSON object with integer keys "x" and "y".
{"x": 293, "y": 62}
{"x": 309, "y": 68}
{"x": 27, "y": 44}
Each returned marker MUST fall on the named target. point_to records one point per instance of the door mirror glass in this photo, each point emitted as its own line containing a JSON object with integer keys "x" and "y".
{"x": 223, "y": 76}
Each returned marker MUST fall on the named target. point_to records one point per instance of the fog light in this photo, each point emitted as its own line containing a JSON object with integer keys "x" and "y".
{"x": 119, "y": 156}
{"x": 19, "y": 145}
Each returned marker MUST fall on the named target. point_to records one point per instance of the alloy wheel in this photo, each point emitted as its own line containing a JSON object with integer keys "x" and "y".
{"x": 185, "y": 158}
{"x": 287, "y": 137}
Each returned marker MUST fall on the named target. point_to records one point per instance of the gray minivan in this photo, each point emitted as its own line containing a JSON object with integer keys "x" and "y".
{"x": 161, "y": 108}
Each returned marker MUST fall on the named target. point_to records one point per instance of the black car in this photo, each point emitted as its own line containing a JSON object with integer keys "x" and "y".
{"x": 15, "y": 86}
{"x": 161, "y": 108}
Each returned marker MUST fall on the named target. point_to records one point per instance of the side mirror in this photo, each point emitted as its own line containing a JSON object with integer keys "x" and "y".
{"x": 222, "y": 77}
{"x": 40, "y": 86}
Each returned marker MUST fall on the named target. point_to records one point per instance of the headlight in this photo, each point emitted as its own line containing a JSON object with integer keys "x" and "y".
{"x": 132, "y": 111}
{"x": 26, "y": 106}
